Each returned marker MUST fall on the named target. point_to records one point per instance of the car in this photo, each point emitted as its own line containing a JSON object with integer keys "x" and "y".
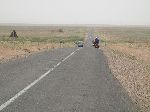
{"x": 80, "y": 43}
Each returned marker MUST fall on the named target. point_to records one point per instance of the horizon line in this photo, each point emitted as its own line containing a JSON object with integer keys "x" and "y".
{"x": 68, "y": 24}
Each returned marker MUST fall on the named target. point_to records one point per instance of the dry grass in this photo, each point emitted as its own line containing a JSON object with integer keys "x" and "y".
{"x": 8, "y": 53}
{"x": 129, "y": 61}
{"x": 139, "y": 52}
{"x": 37, "y": 38}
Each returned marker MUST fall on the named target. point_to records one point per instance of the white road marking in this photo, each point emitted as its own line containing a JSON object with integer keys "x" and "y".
{"x": 4, "y": 105}
{"x": 70, "y": 55}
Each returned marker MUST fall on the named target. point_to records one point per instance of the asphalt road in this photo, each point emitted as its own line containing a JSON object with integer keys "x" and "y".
{"x": 81, "y": 82}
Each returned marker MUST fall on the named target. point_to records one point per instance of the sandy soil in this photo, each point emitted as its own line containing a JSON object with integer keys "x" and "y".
{"x": 133, "y": 72}
{"x": 7, "y": 53}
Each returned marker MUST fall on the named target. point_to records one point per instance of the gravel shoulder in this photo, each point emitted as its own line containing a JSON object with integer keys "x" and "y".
{"x": 133, "y": 74}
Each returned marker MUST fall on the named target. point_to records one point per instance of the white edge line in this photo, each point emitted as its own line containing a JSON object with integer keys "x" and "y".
{"x": 11, "y": 100}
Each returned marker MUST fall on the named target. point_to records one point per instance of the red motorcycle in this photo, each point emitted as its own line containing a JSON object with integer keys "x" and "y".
{"x": 95, "y": 44}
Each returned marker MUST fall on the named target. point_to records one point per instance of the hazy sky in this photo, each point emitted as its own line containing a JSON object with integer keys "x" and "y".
{"x": 119, "y": 12}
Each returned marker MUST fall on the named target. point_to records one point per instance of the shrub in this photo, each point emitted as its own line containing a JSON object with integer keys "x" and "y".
{"x": 60, "y": 30}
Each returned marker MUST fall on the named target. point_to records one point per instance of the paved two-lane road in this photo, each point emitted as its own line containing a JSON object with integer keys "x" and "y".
{"x": 81, "y": 82}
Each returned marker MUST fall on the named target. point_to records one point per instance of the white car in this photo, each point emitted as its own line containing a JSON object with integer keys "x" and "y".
{"x": 80, "y": 43}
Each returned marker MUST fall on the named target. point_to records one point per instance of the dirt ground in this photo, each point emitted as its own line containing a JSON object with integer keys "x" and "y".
{"x": 128, "y": 52}
{"x": 131, "y": 66}
{"x": 36, "y": 39}
{"x": 7, "y": 53}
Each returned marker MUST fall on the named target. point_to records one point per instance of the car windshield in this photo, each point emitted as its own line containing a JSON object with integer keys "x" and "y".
{"x": 80, "y": 42}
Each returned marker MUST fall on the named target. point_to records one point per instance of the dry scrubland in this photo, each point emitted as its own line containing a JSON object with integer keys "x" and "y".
{"x": 36, "y": 38}
{"x": 128, "y": 53}
{"x": 127, "y": 50}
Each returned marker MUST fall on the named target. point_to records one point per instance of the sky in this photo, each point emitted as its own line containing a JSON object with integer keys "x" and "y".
{"x": 109, "y": 12}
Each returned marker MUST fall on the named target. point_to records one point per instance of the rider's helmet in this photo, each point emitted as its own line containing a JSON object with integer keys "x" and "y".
{"x": 96, "y": 38}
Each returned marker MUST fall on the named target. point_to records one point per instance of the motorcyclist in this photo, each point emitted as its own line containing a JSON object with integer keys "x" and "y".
{"x": 96, "y": 40}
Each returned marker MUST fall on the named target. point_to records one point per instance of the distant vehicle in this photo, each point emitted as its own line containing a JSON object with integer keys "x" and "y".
{"x": 96, "y": 45}
{"x": 80, "y": 43}
{"x": 96, "y": 42}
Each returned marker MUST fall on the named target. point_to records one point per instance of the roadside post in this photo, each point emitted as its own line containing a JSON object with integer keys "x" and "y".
{"x": 61, "y": 42}
{"x": 105, "y": 39}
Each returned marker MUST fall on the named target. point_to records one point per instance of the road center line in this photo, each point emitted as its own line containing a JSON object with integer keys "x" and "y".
{"x": 4, "y": 105}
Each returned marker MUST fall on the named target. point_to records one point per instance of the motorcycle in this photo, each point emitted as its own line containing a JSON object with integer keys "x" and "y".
{"x": 95, "y": 45}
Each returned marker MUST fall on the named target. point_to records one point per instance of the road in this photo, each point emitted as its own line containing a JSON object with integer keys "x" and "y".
{"x": 63, "y": 80}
